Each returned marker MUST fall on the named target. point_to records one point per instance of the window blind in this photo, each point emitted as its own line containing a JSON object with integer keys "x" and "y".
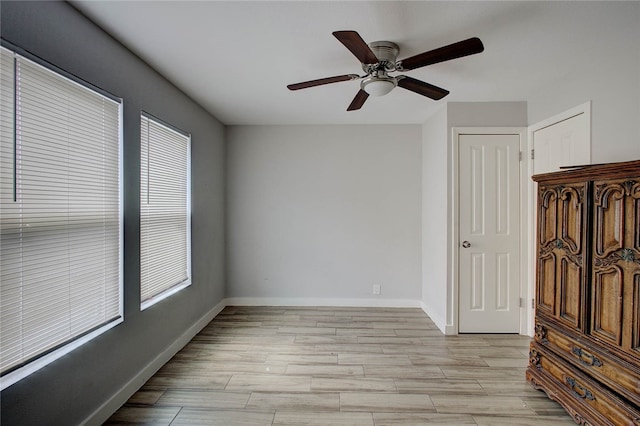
{"x": 165, "y": 228}
{"x": 60, "y": 211}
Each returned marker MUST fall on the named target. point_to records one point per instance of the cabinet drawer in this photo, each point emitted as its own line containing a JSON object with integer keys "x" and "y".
{"x": 617, "y": 374}
{"x": 576, "y": 392}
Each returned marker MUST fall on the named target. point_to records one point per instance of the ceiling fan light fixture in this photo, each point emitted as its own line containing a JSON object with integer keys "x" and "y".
{"x": 380, "y": 58}
{"x": 378, "y": 86}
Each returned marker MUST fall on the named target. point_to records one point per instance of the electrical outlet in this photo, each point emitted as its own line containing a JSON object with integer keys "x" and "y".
{"x": 376, "y": 289}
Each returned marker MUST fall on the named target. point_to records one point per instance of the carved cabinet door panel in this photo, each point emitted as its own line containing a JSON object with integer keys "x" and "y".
{"x": 561, "y": 251}
{"x": 615, "y": 311}
{"x": 546, "y": 259}
{"x": 570, "y": 248}
{"x": 632, "y": 302}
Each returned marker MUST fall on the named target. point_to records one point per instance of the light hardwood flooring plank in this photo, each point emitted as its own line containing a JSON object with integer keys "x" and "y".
{"x": 410, "y": 324}
{"x": 461, "y": 342}
{"x": 322, "y": 418}
{"x": 204, "y": 399}
{"x": 440, "y": 386}
{"x": 480, "y": 404}
{"x": 349, "y": 347}
{"x": 448, "y": 360}
{"x": 413, "y": 349}
{"x": 305, "y": 401}
{"x": 224, "y": 368}
{"x": 403, "y": 371}
{"x": 415, "y": 332}
{"x": 376, "y": 359}
{"x": 146, "y": 396}
{"x": 513, "y": 387}
{"x": 390, "y": 340}
{"x": 188, "y": 416}
{"x": 385, "y": 402}
{"x": 189, "y": 381}
{"x": 507, "y": 362}
{"x": 488, "y": 351}
{"x": 325, "y": 370}
{"x": 306, "y": 323}
{"x": 222, "y": 354}
{"x": 543, "y": 406}
{"x": 277, "y": 339}
{"x": 509, "y": 340}
{"x": 246, "y": 331}
{"x": 386, "y": 313}
{"x": 359, "y": 384}
{"x": 325, "y": 339}
{"x": 330, "y": 358}
{"x": 144, "y": 415}
{"x": 421, "y": 419}
{"x": 249, "y": 349}
{"x": 268, "y": 383}
{"x": 345, "y": 322}
{"x": 524, "y": 421}
{"x": 309, "y": 331}
{"x": 453, "y": 372}
{"x": 376, "y": 332}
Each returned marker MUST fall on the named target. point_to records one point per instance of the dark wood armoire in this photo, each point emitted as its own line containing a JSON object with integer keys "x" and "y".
{"x": 586, "y": 350}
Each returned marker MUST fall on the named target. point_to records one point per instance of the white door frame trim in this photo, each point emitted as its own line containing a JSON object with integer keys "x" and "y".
{"x": 453, "y": 287}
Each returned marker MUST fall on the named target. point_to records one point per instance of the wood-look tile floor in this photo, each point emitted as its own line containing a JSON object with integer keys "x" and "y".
{"x": 341, "y": 366}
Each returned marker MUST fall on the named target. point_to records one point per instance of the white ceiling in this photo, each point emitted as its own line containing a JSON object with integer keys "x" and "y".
{"x": 235, "y": 58}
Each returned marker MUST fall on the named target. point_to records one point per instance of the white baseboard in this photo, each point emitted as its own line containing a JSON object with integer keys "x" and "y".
{"x": 450, "y": 330}
{"x": 438, "y": 321}
{"x": 310, "y": 301}
{"x": 99, "y": 416}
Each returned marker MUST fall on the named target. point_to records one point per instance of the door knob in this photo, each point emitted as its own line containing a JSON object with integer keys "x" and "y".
{"x": 466, "y": 244}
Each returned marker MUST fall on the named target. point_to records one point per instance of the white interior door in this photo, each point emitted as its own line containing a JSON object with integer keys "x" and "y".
{"x": 561, "y": 141}
{"x": 489, "y": 233}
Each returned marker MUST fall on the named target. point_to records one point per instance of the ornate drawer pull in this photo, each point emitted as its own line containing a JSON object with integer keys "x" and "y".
{"x": 534, "y": 359}
{"x": 586, "y": 358}
{"x": 579, "y": 390}
{"x": 541, "y": 334}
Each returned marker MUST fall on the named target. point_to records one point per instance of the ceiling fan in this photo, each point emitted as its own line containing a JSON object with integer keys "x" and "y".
{"x": 379, "y": 59}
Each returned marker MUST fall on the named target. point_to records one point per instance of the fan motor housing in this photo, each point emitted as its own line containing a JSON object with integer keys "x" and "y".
{"x": 386, "y": 52}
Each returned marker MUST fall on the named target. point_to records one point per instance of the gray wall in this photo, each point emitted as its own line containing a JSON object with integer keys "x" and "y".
{"x": 319, "y": 214}
{"x": 435, "y": 208}
{"x": 71, "y": 389}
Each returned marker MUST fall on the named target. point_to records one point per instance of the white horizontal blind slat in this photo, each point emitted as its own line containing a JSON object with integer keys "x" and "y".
{"x": 61, "y": 237}
{"x": 164, "y": 209}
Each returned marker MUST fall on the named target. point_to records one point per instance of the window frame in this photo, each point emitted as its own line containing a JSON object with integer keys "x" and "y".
{"x": 175, "y": 288}
{"x": 47, "y": 356}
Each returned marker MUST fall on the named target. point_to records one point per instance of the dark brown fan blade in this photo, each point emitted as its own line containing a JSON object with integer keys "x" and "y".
{"x": 357, "y": 46}
{"x": 322, "y": 81}
{"x": 358, "y": 101}
{"x": 445, "y": 53}
{"x": 422, "y": 88}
